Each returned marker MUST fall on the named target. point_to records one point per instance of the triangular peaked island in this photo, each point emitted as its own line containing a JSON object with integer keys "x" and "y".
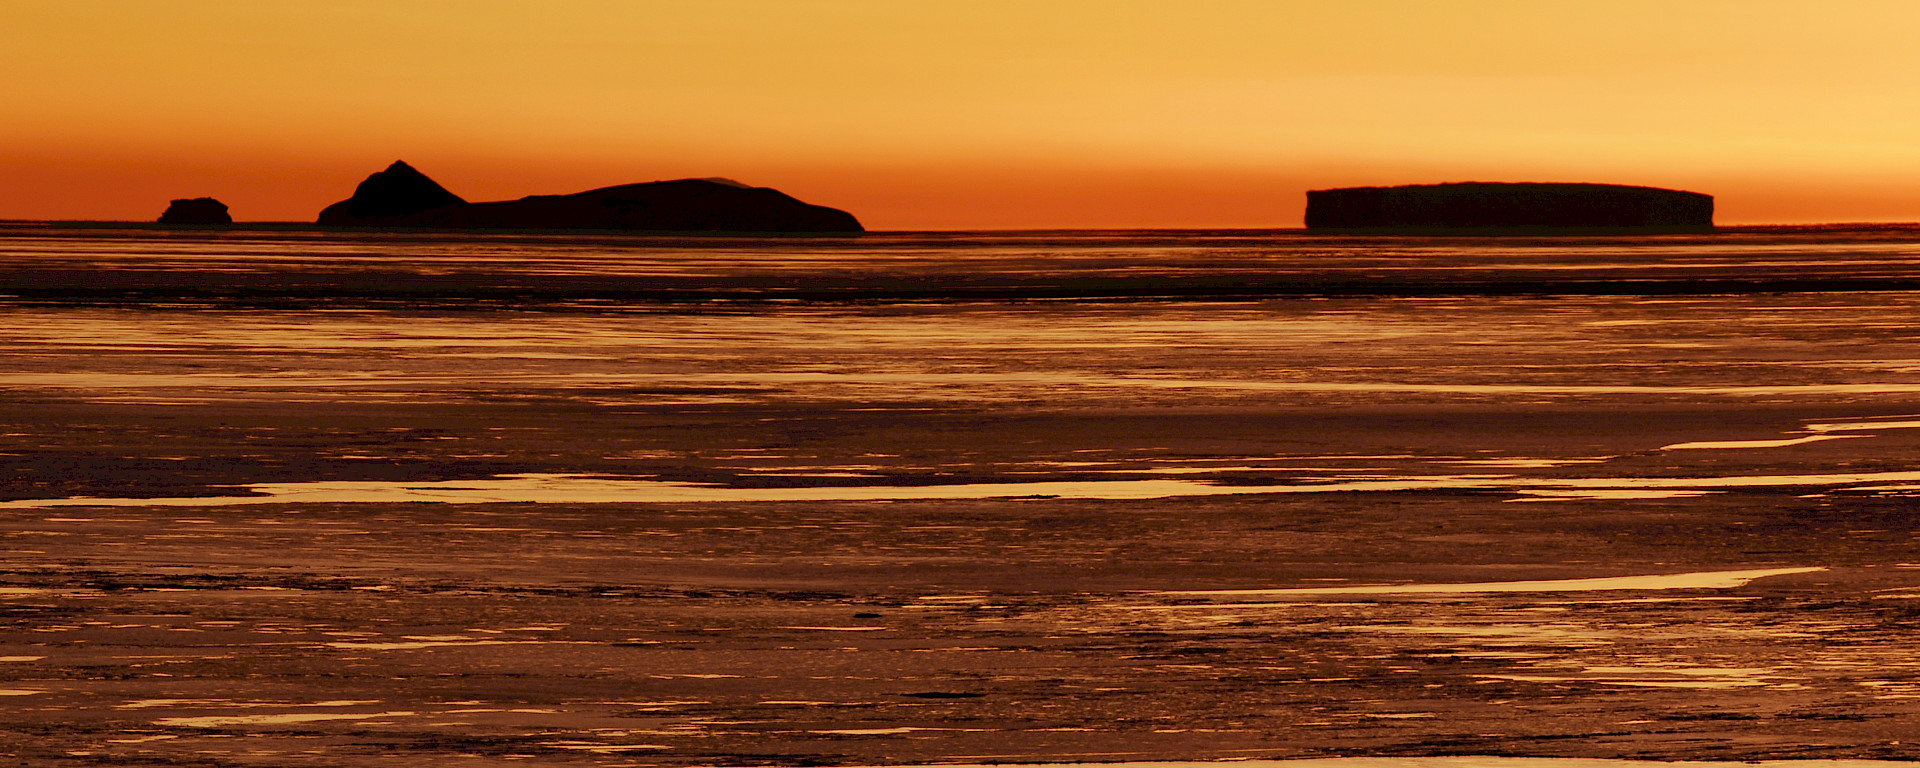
{"x": 396, "y": 192}
{"x": 403, "y": 197}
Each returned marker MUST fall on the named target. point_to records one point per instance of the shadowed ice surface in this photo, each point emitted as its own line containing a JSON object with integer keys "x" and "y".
{"x": 294, "y": 498}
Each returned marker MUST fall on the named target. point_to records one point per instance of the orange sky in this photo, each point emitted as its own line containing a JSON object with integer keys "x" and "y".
{"x": 961, "y": 113}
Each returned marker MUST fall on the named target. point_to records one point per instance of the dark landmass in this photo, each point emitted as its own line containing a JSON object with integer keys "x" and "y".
{"x": 403, "y": 197}
{"x": 397, "y": 192}
{"x": 199, "y": 210}
{"x": 1488, "y": 205}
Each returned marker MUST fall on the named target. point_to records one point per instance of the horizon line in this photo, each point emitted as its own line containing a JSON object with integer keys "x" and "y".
{"x": 1544, "y": 230}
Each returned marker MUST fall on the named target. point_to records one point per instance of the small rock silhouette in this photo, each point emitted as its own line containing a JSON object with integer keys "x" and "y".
{"x": 199, "y": 210}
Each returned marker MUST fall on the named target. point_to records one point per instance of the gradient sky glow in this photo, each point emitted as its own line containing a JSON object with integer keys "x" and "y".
{"x": 937, "y": 114}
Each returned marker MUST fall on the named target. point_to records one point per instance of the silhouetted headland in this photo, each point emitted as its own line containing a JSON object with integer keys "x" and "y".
{"x": 199, "y": 210}
{"x": 1487, "y": 205}
{"x": 395, "y": 193}
{"x": 403, "y": 197}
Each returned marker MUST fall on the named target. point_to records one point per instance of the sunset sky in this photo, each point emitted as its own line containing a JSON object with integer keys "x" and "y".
{"x": 941, "y": 114}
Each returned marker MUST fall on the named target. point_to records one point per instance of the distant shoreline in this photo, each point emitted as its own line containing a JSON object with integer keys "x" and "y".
{"x": 301, "y": 226}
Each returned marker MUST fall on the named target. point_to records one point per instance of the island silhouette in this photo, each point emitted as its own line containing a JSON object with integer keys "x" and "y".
{"x": 1495, "y": 205}
{"x": 402, "y": 196}
{"x": 198, "y": 210}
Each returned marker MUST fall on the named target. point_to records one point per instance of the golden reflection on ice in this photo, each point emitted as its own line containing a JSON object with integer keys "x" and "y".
{"x": 567, "y": 489}
{"x": 575, "y": 489}
{"x": 1633, "y": 682}
{"x": 1603, "y": 493}
{"x": 1739, "y": 444}
{"x": 1213, "y": 606}
{"x": 1698, "y": 580}
{"x": 1526, "y": 463}
{"x": 602, "y": 749}
{"x": 1687, "y": 671}
{"x": 1861, "y": 426}
{"x": 943, "y": 385}
{"x": 230, "y": 704}
{"x": 414, "y": 644}
{"x": 837, "y": 629}
{"x": 223, "y": 721}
